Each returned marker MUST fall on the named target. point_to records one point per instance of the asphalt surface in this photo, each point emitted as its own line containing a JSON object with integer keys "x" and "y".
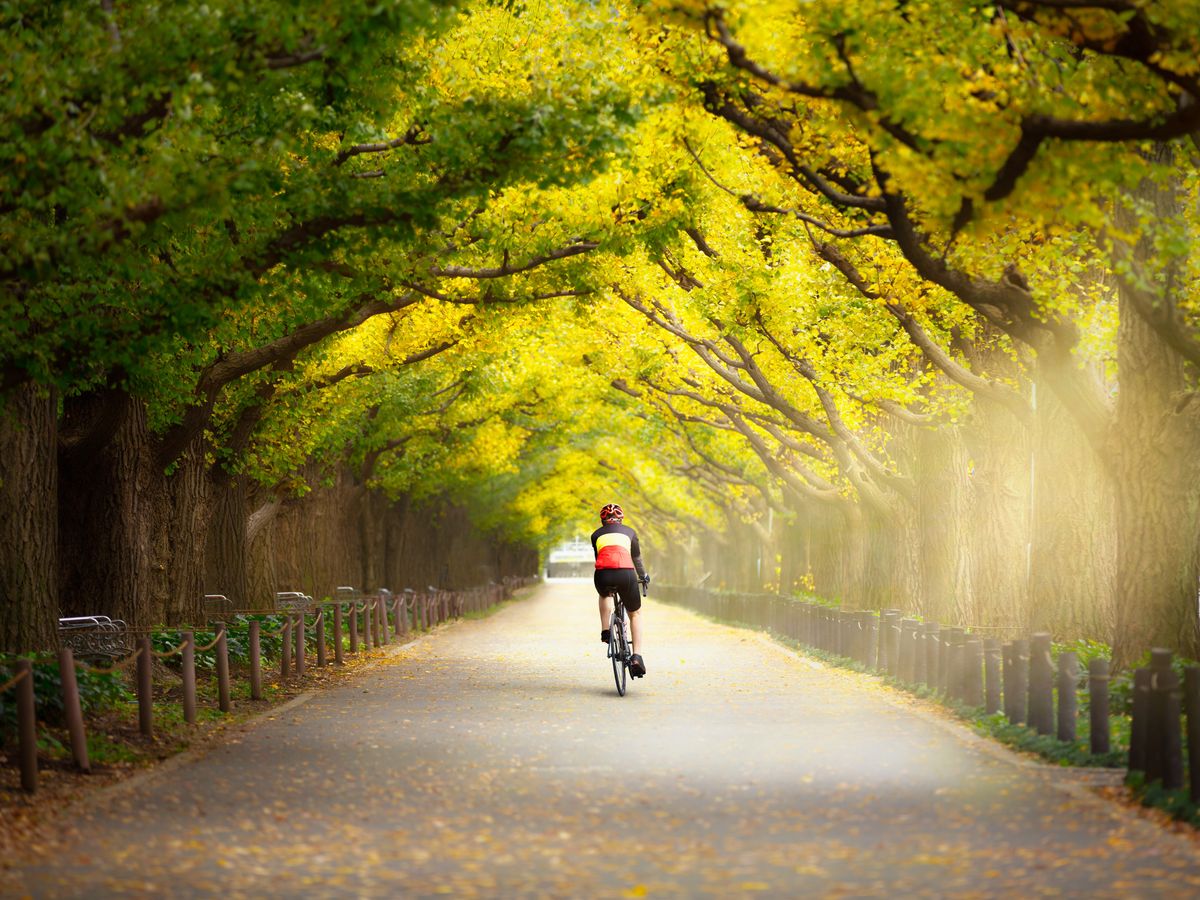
{"x": 494, "y": 758}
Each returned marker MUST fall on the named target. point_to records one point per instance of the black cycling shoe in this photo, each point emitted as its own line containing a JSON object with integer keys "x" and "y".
{"x": 605, "y": 635}
{"x": 637, "y": 668}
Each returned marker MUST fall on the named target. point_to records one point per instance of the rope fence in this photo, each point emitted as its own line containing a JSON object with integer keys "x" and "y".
{"x": 1018, "y": 678}
{"x": 377, "y": 619}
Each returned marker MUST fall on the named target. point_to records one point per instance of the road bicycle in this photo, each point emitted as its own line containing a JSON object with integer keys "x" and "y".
{"x": 620, "y": 644}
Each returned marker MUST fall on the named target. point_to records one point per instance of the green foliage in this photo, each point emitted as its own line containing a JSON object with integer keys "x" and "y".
{"x": 96, "y": 692}
{"x": 1177, "y": 803}
{"x": 1048, "y": 746}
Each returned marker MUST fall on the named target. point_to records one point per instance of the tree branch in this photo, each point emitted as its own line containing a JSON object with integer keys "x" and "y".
{"x": 580, "y": 246}
{"x": 413, "y": 136}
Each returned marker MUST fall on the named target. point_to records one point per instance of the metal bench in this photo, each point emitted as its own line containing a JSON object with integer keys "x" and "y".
{"x": 217, "y": 607}
{"x": 95, "y": 636}
{"x": 292, "y": 601}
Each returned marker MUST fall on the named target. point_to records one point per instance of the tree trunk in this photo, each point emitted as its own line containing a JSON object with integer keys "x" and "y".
{"x": 111, "y": 561}
{"x": 131, "y": 534}
{"x": 1072, "y": 566}
{"x": 999, "y": 454}
{"x": 28, "y": 521}
{"x": 1158, "y": 496}
{"x": 227, "y": 568}
{"x": 941, "y": 529}
{"x": 190, "y": 490}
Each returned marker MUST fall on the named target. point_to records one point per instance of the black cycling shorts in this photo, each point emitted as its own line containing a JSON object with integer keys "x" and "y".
{"x": 626, "y": 583}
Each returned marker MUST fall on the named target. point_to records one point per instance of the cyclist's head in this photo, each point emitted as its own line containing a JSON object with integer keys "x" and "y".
{"x": 611, "y": 512}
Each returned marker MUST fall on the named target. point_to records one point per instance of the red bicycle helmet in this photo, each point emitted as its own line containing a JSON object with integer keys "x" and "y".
{"x": 609, "y": 512}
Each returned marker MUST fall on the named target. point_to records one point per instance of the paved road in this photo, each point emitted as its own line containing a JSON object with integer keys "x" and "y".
{"x": 494, "y": 758}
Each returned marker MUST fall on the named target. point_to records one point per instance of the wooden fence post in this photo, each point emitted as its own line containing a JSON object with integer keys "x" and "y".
{"x": 972, "y": 682}
{"x": 1068, "y": 703}
{"x": 872, "y": 641}
{"x": 906, "y": 651}
{"x": 1020, "y": 682}
{"x": 255, "y": 659}
{"x": 72, "y": 709}
{"x": 1164, "y": 760}
{"x": 859, "y": 632}
{"x": 301, "y": 640}
{"x": 920, "y": 656}
{"x": 1041, "y": 684}
{"x": 353, "y": 626}
{"x": 366, "y": 625}
{"x": 991, "y": 672}
{"x": 223, "y": 699}
{"x": 933, "y": 643}
{"x": 1008, "y": 651}
{"x": 187, "y": 666}
{"x": 943, "y": 664}
{"x": 27, "y": 726}
{"x": 1137, "y": 729}
{"x": 1191, "y": 696}
{"x": 145, "y": 687}
{"x": 322, "y": 659}
{"x": 385, "y": 633}
{"x": 285, "y": 649}
{"x": 890, "y": 637}
{"x": 955, "y": 669}
{"x": 1098, "y": 705}
{"x": 338, "y": 652}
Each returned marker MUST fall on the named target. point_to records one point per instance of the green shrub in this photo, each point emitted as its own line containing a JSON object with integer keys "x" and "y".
{"x": 96, "y": 692}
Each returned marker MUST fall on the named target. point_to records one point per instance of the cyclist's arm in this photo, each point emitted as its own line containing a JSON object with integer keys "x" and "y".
{"x": 636, "y": 552}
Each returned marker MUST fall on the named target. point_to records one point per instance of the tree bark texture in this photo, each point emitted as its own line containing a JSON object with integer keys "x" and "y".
{"x": 1072, "y": 570}
{"x": 28, "y": 521}
{"x": 1157, "y": 441}
{"x": 998, "y": 462}
{"x": 131, "y": 531}
{"x": 941, "y": 529}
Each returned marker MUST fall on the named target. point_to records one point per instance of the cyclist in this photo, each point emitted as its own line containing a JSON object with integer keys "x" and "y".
{"x": 619, "y": 565}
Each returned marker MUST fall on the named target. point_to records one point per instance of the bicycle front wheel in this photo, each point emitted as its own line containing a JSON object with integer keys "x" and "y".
{"x": 617, "y": 650}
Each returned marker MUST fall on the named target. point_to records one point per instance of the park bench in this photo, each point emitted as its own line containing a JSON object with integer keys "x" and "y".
{"x": 217, "y": 607}
{"x": 292, "y": 601}
{"x": 95, "y": 636}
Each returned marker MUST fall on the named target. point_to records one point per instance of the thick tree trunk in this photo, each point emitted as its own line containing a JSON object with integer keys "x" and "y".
{"x": 1072, "y": 567}
{"x": 190, "y": 492}
{"x": 1158, "y": 497}
{"x": 112, "y": 512}
{"x": 28, "y": 521}
{"x": 262, "y": 574}
{"x": 941, "y": 528}
{"x": 226, "y": 567}
{"x": 131, "y": 534}
{"x": 998, "y": 446}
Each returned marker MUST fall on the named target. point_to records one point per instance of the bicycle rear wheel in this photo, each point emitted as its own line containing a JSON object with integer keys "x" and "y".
{"x": 618, "y": 650}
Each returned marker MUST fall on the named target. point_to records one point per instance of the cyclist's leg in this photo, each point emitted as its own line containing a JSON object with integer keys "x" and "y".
{"x": 602, "y": 583}
{"x": 606, "y": 608}
{"x": 631, "y": 594}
